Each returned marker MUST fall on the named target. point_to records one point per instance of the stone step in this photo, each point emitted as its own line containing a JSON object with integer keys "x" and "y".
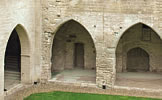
{"x": 10, "y": 79}
{"x": 12, "y": 72}
{"x": 12, "y": 75}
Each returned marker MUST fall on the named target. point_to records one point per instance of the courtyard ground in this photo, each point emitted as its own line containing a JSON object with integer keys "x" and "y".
{"x": 75, "y": 76}
{"x": 147, "y": 80}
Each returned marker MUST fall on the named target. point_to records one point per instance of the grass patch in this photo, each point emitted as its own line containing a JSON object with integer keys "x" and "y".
{"x": 80, "y": 96}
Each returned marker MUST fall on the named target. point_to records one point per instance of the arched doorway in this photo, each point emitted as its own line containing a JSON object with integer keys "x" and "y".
{"x": 73, "y": 51}
{"x": 138, "y": 58}
{"x": 12, "y": 61}
{"x": 17, "y": 59}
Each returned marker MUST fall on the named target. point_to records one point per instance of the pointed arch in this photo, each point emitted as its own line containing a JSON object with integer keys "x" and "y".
{"x": 67, "y": 36}
{"x": 135, "y": 43}
{"x": 63, "y": 22}
{"x": 155, "y": 29}
{"x": 24, "y": 39}
{"x": 60, "y": 24}
{"x": 21, "y": 34}
{"x": 137, "y": 60}
{"x": 138, "y": 50}
{"x": 67, "y": 25}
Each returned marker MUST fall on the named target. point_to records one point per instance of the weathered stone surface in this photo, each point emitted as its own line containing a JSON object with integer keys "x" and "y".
{"x": 104, "y": 20}
{"x": 107, "y": 21}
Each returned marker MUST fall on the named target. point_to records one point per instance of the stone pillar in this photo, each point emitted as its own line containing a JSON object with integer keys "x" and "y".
{"x": 105, "y": 67}
{"x": 46, "y": 57}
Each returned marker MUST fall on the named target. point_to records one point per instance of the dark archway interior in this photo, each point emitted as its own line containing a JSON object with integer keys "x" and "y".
{"x": 139, "y": 36}
{"x": 73, "y": 49}
{"x": 12, "y": 54}
{"x": 12, "y": 63}
{"x": 137, "y": 60}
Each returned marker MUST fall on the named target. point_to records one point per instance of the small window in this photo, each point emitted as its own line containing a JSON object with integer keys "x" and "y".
{"x": 146, "y": 33}
{"x": 103, "y": 86}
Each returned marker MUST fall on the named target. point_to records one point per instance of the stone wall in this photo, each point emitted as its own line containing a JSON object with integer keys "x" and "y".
{"x": 20, "y": 15}
{"x": 105, "y": 21}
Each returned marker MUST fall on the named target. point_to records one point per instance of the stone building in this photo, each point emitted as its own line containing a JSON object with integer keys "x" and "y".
{"x": 99, "y": 42}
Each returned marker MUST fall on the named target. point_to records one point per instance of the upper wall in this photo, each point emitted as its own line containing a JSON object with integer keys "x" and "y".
{"x": 105, "y": 18}
{"x": 14, "y": 12}
{"x": 111, "y": 6}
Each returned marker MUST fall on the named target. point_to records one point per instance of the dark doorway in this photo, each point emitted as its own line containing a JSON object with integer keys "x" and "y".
{"x": 12, "y": 54}
{"x": 73, "y": 54}
{"x": 137, "y": 60}
{"x": 12, "y": 63}
{"x": 79, "y": 55}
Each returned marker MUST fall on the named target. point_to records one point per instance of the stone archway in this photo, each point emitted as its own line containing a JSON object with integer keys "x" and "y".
{"x": 137, "y": 60}
{"x": 139, "y": 35}
{"x": 12, "y": 61}
{"x": 73, "y": 49}
{"x": 139, "y": 42}
{"x": 17, "y": 58}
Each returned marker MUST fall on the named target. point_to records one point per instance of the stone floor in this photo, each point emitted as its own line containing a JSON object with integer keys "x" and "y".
{"x": 12, "y": 78}
{"x": 75, "y": 76}
{"x": 147, "y": 80}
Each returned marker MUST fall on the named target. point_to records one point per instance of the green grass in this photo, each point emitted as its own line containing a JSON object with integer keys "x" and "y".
{"x": 79, "y": 96}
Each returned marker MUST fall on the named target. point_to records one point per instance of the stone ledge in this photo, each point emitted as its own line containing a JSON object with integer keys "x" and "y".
{"x": 27, "y": 90}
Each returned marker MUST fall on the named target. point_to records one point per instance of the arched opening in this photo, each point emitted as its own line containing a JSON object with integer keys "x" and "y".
{"x": 12, "y": 60}
{"x": 138, "y": 58}
{"x": 17, "y": 59}
{"x": 73, "y": 54}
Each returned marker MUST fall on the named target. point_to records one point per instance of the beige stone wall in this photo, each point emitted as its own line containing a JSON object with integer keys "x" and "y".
{"x": 21, "y": 15}
{"x": 105, "y": 21}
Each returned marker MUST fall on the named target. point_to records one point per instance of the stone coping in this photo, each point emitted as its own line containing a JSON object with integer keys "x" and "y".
{"x": 23, "y": 91}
